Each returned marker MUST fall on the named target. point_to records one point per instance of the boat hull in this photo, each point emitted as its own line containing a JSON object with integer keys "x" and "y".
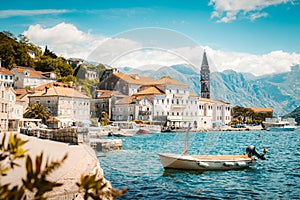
{"x": 193, "y": 162}
{"x": 290, "y": 128}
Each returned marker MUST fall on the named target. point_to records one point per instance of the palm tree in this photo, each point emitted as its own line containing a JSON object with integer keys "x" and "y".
{"x": 37, "y": 111}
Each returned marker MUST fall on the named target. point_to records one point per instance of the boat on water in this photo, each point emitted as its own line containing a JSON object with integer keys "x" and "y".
{"x": 209, "y": 162}
{"x": 279, "y": 124}
{"x": 127, "y": 128}
{"x": 120, "y": 133}
{"x": 148, "y": 129}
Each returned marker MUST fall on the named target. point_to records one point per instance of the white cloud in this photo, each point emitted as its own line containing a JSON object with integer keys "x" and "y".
{"x": 14, "y": 13}
{"x": 255, "y": 16}
{"x": 66, "y": 40}
{"x": 229, "y": 10}
{"x": 273, "y": 62}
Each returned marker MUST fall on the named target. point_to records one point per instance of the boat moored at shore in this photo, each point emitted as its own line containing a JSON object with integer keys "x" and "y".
{"x": 278, "y": 124}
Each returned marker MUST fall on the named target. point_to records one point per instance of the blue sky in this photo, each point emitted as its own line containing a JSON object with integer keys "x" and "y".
{"x": 240, "y": 28}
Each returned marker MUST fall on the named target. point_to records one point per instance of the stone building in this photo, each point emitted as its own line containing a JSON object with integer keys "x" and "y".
{"x": 4, "y": 100}
{"x": 7, "y": 77}
{"x": 127, "y": 84}
{"x": 104, "y": 102}
{"x": 124, "y": 110}
{"x": 169, "y": 100}
{"x": 63, "y": 101}
{"x": 26, "y": 77}
{"x": 11, "y": 110}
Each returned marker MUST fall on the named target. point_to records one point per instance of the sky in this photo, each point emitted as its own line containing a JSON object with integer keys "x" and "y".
{"x": 255, "y": 36}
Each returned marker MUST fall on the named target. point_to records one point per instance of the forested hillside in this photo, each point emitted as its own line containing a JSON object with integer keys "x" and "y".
{"x": 18, "y": 51}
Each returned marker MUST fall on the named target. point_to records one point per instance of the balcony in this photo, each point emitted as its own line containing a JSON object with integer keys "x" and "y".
{"x": 144, "y": 113}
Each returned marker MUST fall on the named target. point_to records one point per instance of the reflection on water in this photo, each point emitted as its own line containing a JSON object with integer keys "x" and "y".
{"x": 138, "y": 167}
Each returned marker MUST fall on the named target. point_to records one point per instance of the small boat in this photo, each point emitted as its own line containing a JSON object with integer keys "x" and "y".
{"x": 148, "y": 129}
{"x": 278, "y": 124}
{"x": 209, "y": 162}
{"x": 142, "y": 131}
{"x": 128, "y": 128}
{"x": 120, "y": 133}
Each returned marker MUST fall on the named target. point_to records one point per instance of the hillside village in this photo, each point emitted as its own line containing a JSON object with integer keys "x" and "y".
{"x": 123, "y": 97}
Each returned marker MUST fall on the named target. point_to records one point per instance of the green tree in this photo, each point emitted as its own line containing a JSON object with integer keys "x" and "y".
{"x": 58, "y": 65}
{"x": 14, "y": 52}
{"x": 241, "y": 113}
{"x": 37, "y": 111}
{"x": 104, "y": 119}
{"x": 49, "y": 53}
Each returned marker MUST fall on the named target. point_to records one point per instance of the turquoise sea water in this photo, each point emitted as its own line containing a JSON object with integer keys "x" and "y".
{"x": 138, "y": 167}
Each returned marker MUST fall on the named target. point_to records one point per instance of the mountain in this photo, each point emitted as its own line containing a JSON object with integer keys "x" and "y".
{"x": 279, "y": 91}
{"x": 295, "y": 114}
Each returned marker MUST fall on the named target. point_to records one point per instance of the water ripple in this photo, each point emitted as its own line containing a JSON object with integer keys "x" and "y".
{"x": 138, "y": 167}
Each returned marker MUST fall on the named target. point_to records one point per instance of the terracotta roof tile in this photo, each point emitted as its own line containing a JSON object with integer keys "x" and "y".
{"x": 125, "y": 100}
{"x": 170, "y": 81}
{"x": 32, "y": 73}
{"x": 193, "y": 94}
{"x": 59, "y": 91}
{"x": 5, "y": 71}
{"x": 134, "y": 78}
{"x": 149, "y": 91}
{"x": 262, "y": 109}
{"x": 108, "y": 94}
{"x": 212, "y": 100}
{"x": 52, "y": 84}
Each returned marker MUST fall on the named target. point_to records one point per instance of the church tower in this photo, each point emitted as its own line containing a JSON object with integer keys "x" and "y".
{"x": 205, "y": 78}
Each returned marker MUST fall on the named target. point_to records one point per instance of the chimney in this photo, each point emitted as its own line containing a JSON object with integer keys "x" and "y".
{"x": 79, "y": 88}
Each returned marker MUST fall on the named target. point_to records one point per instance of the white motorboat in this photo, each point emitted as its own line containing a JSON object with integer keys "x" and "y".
{"x": 278, "y": 124}
{"x": 128, "y": 128}
{"x": 209, "y": 162}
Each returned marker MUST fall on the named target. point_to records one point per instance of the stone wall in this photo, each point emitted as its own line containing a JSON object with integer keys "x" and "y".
{"x": 67, "y": 135}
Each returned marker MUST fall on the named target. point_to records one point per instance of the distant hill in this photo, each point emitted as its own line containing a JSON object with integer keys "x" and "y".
{"x": 279, "y": 91}
{"x": 295, "y": 114}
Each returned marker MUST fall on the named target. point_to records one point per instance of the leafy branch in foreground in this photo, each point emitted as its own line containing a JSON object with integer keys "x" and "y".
{"x": 36, "y": 178}
{"x": 36, "y": 174}
{"x": 10, "y": 152}
{"x": 94, "y": 187}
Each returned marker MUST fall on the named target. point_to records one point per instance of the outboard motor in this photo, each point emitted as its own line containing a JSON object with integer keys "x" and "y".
{"x": 250, "y": 151}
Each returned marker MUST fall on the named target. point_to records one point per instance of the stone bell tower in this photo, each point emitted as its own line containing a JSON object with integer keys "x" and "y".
{"x": 205, "y": 78}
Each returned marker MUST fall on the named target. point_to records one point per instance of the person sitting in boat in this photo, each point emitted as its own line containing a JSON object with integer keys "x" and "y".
{"x": 250, "y": 151}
